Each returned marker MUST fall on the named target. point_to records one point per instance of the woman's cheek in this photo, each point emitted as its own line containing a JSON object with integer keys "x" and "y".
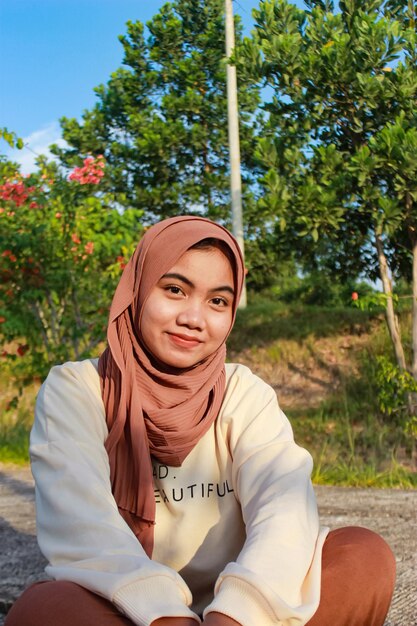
{"x": 222, "y": 324}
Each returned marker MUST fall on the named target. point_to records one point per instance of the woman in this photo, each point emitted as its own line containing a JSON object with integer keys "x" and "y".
{"x": 169, "y": 488}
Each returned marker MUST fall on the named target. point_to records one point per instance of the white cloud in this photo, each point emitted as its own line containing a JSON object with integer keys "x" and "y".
{"x": 35, "y": 144}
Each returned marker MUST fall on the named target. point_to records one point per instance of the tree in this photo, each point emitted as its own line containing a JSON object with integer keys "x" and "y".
{"x": 161, "y": 121}
{"x": 339, "y": 149}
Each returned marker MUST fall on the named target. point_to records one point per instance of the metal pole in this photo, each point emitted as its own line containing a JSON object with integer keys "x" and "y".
{"x": 234, "y": 145}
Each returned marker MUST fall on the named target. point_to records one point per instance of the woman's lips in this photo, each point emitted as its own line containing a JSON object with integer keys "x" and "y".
{"x": 184, "y": 341}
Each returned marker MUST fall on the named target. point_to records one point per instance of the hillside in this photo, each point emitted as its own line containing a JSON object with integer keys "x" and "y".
{"x": 322, "y": 364}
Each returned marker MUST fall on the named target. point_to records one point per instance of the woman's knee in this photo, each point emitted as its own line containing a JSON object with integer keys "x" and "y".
{"x": 49, "y": 603}
{"x": 358, "y": 574}
{"x": 364, "y": 554}
{"x": 363, "y": 545}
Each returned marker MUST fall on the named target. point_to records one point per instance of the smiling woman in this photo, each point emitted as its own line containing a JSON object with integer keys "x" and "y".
{"x": 188, "y": 313}
{"x": 169, "y": 486}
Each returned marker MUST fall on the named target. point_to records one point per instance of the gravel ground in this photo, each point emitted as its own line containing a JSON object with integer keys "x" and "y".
{"x": 390, "y": 512}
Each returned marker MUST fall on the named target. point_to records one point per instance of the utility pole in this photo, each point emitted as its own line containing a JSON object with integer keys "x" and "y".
{"x": 234, "y": 144}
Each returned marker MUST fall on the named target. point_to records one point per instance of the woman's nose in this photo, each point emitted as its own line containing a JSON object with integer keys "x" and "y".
{"x": 192, "y": 316}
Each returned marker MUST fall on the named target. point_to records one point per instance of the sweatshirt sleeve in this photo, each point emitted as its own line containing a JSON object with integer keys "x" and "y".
{"x": 276, "y": 577}
{"x": 80, "y": 530}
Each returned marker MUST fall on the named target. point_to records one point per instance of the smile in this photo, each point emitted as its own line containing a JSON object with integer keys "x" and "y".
{"x": 184, "y": 341}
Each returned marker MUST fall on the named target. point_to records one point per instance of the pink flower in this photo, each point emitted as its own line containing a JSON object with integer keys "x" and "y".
{"x": 15, "y": 191}
{"x": 75, "y": 238}
{"x": 355, "y": 295}
{"x": 89, "y": 247}
{"x": 90, "y": 173}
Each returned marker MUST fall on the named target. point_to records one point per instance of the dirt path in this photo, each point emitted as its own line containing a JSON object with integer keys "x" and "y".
{"x": 392, "y": 513}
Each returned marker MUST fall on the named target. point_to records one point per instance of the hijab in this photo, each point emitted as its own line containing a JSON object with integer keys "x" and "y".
{"x": 152, "y": 409}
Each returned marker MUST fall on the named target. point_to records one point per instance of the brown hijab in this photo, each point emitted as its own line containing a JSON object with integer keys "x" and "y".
{"x": 151, "y": 409}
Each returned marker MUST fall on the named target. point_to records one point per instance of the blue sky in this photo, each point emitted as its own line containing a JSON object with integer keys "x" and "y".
{"x": 54, "y": 52}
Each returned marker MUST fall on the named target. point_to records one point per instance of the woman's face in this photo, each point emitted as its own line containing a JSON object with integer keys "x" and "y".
{"x": 188, "y": 313}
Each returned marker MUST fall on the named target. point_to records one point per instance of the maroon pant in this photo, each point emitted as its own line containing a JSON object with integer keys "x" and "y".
{"x": 358, "y": 575}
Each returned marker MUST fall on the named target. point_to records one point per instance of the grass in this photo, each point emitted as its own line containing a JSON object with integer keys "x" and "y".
{"x": 16, "y": 417}
{"x": 266, "y": 321}
{"x": 331, "y": 356}
{"x": 14, "y": 444}
{"x": 321, "y": 361}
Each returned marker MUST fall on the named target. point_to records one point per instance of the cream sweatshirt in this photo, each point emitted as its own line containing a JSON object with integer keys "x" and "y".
{"x": 236, "y": 525}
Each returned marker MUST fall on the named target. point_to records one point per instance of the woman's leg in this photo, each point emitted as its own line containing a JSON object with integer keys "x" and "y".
{"x": 358, "y": 577}
{"x": 62, "y": 603}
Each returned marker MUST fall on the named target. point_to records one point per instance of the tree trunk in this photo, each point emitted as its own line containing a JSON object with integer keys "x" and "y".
{"x": 413, "y": 237}
{"x": 392, "y": 321}
{"x": 413, "y": 398}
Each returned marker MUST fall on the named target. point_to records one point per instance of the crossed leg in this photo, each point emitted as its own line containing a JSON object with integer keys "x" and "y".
{"x": 358, "y": 575}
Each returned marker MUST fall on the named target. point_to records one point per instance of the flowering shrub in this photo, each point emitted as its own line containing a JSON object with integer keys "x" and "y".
{"x": 61, "y": 240}
{"x": 16, "y": 192}
{"x": 91, "y": 173}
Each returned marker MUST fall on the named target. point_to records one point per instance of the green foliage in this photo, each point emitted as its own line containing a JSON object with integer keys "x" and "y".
{"x": 396, "y": 388}
{"x": 11, "y": 138}
{"x": 62, "y": 242}
{"x": 373, "y": 300}
{"x": 161, "y": 120}
{"x": 317, "y": 288}
{"x": 339, "y": 146}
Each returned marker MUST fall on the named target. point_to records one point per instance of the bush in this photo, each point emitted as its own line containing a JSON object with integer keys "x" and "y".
{"x": 63, "y": 244}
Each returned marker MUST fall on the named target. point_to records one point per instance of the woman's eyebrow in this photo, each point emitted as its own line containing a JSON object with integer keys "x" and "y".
{"x": 188, "y": 282}
{"x": 223, "y": 288}
{"x": 185, "y": 280}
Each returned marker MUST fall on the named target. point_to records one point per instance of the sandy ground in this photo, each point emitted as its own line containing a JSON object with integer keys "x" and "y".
{"x": 390, "y": 512}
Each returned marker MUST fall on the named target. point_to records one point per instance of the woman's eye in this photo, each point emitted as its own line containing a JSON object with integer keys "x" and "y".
{"x": 219, "y": 302}
{"x": 173, "y": 289}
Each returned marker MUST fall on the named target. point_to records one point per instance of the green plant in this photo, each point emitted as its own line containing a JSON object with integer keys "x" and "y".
{"x": 161, "y": 119}
{"x": 396, "y": 390}
{"x": 63, "y": 243}
{"x": 372, "y": 300}
{"x": 338, "y": 149}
